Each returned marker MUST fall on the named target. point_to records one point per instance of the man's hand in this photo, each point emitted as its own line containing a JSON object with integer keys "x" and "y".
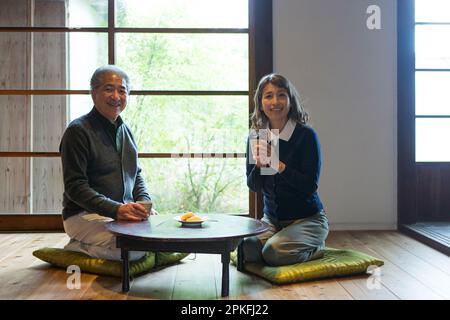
{"x": 132, "y": 211}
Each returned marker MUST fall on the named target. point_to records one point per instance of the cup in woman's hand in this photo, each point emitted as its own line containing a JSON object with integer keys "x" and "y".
{"x": 264, "y": 152}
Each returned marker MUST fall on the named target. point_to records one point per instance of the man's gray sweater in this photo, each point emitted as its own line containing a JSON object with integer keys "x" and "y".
{"x": 100, "y": 166}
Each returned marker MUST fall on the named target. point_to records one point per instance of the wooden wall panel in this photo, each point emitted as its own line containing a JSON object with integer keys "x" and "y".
{"x": 14, "y": 13}
{"x": 14, "y": 110}
{"x": 35, "y": 222}
{"x": 49, "y": 112}
{"x": 14, "y": 194}
{"x": 433, "y": 192}
{"x": 47, "y": 185}
{"x": 32, "y": 60}
{"x": 14, "y": 132}
{"x": 14, "y": 136}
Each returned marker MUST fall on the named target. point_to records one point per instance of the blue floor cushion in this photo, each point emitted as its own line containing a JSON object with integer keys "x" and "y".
{"x": 64, "y": 258}
{"x": 334, "y": 263}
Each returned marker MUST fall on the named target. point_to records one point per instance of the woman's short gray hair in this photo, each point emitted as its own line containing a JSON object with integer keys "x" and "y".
{"x": 97, "y": 77}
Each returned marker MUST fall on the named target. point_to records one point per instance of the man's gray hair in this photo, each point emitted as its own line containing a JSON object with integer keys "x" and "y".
{"x": 97, "y": 77}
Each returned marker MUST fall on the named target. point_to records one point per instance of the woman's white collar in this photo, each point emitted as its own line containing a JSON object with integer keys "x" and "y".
{"x": 285, "y": 134}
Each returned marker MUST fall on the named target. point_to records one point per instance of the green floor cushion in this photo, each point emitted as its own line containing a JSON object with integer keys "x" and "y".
{"x": 335, "y": 263}
{"x": 64, "y": 258}
{"x": 165, "y": 258}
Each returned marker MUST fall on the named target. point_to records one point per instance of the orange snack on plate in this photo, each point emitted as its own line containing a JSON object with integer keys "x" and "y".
{"x": 186, "y": 216}
{"x": 194, "y": 218}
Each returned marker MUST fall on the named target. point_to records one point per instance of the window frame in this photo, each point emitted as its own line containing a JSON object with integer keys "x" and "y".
{"x": 416, "y": 70}
{"x": 260, "y": 62}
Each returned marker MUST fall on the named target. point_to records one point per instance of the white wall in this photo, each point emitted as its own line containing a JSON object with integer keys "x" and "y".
{"x": 347, "y": 75}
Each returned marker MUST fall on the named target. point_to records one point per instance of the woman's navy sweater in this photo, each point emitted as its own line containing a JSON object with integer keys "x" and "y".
{"x": 291, "y": 194}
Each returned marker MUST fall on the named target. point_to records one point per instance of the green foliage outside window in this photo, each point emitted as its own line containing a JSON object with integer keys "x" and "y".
{"x": 182, "y": 124}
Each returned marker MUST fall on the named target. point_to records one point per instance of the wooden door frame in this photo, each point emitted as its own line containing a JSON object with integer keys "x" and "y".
{"x": 412, "y": 176}
{"x": 261, "y": 47}
{"x": 406, "y": 171}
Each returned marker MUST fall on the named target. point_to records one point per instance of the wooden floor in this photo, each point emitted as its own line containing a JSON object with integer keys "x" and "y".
{"x": 411, "y": 271}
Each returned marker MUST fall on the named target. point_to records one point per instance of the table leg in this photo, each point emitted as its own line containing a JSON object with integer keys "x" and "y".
{"x": 125, "y": 268}
{"x": 225, "y": 273}
{"x": 240, "y": 256}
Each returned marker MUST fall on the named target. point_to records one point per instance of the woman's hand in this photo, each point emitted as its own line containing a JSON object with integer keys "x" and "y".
{"x": 264, "y": 159}
{"x": 281, "y": 167}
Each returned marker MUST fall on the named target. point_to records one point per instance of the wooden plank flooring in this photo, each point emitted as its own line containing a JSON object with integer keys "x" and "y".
{"x": 412, "y": 271}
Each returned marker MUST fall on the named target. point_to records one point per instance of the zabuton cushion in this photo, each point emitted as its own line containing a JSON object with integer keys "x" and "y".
{"x": 334, "y": 263}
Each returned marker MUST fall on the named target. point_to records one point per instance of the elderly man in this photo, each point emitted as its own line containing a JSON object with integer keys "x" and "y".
{"x": 102, "y": 178}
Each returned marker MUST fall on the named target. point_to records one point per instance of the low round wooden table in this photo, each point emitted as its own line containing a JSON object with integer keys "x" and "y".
{"x": 220, "y": 234}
